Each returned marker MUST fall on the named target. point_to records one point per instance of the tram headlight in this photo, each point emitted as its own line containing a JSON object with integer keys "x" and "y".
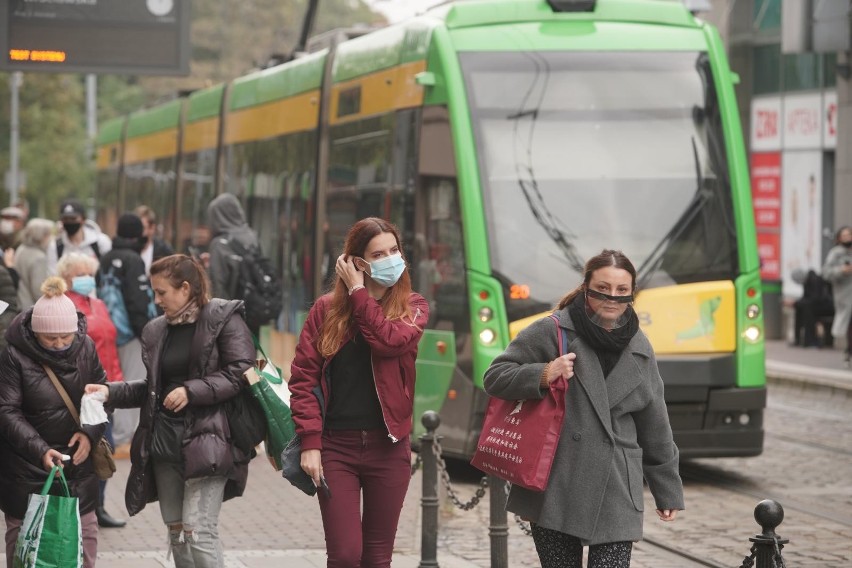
{"x": 485, "y": 314}
{"x": 752, "y": 333}
{"x": 752, "y": 311}
{"x": 487, "y": 336}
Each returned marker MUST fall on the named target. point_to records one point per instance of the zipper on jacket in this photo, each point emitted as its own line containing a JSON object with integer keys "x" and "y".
{"x": 393, "y": 438}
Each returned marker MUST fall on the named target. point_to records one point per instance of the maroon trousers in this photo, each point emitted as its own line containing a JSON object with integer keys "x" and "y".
{"x": 368, "y": 462}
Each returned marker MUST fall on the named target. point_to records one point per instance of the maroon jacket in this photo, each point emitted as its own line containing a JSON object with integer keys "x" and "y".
{"x": 393, "y": 348}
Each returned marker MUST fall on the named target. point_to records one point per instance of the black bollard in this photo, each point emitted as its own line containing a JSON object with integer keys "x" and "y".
{"x": 768, "y": 545}
{"x": 498, "y": 531}
{"x": 429, "y": 501}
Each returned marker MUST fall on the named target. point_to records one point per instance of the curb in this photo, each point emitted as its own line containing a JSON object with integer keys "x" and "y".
{"x": 808, "y": 377}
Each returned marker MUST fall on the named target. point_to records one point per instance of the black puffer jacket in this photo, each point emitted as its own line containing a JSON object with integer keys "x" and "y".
{"x": 33, "y": 417}
{"x": 221, "y": 351}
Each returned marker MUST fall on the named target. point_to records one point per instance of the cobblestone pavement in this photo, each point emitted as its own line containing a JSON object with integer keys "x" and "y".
{"x": 806, "y": 466}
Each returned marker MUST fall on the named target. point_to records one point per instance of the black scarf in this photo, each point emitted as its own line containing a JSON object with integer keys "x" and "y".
{"x": 608, "y": 345}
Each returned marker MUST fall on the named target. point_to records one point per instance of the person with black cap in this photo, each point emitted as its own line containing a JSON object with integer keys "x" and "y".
{"x": 77, "y": 235}
{"x": 125, "y": 289}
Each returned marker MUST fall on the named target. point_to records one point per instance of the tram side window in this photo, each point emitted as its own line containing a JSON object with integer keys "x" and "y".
{"x": 274, "y": 180}
{"x": 198, "y": 189}
{"x": 358, "y": 179}
{"x": 106, "y": 200}
{"x": 439, "y": 270}
{"x": 152, "y": 183}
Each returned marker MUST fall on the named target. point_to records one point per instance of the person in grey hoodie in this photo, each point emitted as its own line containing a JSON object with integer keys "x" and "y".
{"x": 227, "y": 222}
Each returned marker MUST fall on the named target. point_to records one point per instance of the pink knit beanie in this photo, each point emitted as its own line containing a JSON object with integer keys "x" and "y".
{"x": 54, "y": 312}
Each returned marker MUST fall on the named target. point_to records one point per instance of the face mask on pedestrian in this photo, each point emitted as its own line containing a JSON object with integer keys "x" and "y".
{"x": 386, "y": 271}
{"x": 83, "y": 284}
{"x": 847, "y": 244}
{"x": 7, "y": 227}
{"x": 72, "y": 228}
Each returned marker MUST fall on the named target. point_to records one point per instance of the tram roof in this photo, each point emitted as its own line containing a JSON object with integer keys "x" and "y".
{"x": 206, "y": 103}
{"x": 156, "y": 119}
{"x": 110, "y": 131}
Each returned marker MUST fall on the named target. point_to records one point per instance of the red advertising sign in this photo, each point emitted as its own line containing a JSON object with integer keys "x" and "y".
{"x": 769, "y": 250}
{"x": 766, "y": 199}
{"x": 766, "y": 190}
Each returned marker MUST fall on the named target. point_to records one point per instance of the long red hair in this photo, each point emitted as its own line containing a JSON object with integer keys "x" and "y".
{"x": 338, "y": 319}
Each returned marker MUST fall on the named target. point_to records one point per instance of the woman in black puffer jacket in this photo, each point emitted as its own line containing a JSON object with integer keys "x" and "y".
{"x": 182, "y": 452}
{"x": 36, "y": 427}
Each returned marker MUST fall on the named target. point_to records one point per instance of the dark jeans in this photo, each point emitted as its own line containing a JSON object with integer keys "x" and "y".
{"x": 368, "y": 462}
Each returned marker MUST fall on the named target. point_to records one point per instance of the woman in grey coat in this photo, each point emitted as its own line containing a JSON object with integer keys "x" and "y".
{"x": 838, "y": 270}
{"x": 616, "y": 427}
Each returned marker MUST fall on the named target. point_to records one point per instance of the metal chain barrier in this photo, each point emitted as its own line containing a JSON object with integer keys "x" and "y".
{"x": 418, "y": 463}
{"x": 522, "y": 524}
{"x": 445, "y": 477}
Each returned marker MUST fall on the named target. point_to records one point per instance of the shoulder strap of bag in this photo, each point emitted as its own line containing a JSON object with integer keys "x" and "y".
{"x": 561, "y": 338}
{"x": 62, "y": 393}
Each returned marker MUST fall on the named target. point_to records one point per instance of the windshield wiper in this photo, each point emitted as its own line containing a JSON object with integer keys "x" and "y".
{"x": 702, "y": 195}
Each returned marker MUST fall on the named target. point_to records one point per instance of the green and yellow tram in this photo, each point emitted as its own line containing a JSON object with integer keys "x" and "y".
{"x": 509, "y": 140}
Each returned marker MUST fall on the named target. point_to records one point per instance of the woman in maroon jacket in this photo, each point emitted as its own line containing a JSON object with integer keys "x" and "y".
{"x": 352, "y": 392}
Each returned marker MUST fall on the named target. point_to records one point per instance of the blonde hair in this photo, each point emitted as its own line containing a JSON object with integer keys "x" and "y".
{"x": 74, "y": 259}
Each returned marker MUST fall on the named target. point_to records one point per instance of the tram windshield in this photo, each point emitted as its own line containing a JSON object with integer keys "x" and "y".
{"x": 584, "y": 151}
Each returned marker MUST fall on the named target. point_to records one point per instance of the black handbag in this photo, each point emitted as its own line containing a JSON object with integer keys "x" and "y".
{"x": 167, "y": 438}
{"x": 291, "y": 467}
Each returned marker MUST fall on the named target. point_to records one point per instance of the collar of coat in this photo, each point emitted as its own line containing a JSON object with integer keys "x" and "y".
{"x": 624, "y": 378}
{"x": 213, "y": 317}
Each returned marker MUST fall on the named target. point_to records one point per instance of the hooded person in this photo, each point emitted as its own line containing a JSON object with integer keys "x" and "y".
{"x": 227, "y": 222}
{"x": 36, "y": 426}
{"x": 123, "y": 268}
{"x": 77, "y": 235}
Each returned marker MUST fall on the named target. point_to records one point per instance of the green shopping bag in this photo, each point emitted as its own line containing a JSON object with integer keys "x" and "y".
{"x": 51, "y": 535}
{"x": 268, "y": 387}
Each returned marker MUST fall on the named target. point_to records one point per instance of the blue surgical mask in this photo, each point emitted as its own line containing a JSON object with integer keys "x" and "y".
{"x": 83, "y": 284}
{"x": 386, "y": 271}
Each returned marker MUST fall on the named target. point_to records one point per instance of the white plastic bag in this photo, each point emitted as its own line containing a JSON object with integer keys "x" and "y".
{"x": 92, "y": 409}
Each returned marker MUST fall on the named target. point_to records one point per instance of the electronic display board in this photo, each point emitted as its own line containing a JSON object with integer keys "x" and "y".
{"x": 129, "y": 37}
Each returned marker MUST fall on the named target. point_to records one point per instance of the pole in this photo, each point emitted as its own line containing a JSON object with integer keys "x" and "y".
{"x": 91, "y": 124}
{"x": 429, "y": 500}
{"x": 498, "y": 530}
{"x": 15, "y": 80}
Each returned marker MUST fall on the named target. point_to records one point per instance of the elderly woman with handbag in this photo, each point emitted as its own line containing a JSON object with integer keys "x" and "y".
{"x": 49, "y": 359}
{"x": 616, "y": 428}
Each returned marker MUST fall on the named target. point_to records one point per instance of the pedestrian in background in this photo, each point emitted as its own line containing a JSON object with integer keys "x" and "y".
{"x": 31, "y": 260}
{"x": 837, "y": 269}
{"x": 358, "y": 348}
{"x": 227, "y": 223}
{"x": 36, "y": 426}
{"x": 78, "y": 235}
{"x": 594, "y": 494}
{"x": 125, "y": 285}
{"x": 155, "y": 247}
{"x": 181, "y": 454}
{"x": 78, "y": 271}
{"x": 12, "y": 221}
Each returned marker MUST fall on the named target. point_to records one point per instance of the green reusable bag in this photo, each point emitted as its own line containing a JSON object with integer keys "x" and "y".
{"x": 51, "y": 535}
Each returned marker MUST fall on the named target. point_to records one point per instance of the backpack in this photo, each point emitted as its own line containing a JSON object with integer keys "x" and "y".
{"x": 257, "y": 284}
{"x": 109, "y": 292}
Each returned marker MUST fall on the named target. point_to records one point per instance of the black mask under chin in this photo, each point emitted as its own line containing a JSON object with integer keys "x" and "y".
{"x": 847, "y": 244}
{"x": 72, "y": 228}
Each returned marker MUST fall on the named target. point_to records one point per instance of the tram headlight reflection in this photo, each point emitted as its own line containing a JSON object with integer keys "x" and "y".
{"x": 487, "y": 336}
{"x": 752, "y": 333}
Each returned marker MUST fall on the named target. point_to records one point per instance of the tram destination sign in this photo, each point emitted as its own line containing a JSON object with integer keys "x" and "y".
{"x": 128, "y": 37}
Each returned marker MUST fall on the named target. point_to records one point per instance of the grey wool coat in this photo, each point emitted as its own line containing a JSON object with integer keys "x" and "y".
{"x": 616, "y": 430}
